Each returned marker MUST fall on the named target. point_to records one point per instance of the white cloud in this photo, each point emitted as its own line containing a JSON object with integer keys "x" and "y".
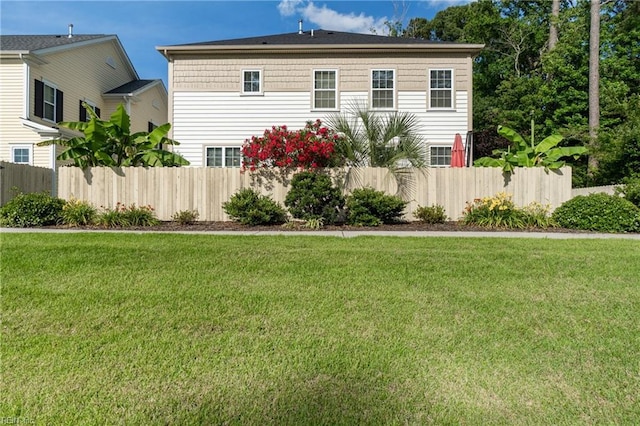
{"x": 288, "y": 7}
{"x": 328, "y": 19}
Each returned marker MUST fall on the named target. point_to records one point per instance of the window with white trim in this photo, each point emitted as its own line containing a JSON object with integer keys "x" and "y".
{"x": 251, "y": 82}
{"x": 224, "y": 156}
{"x": 325, "y": 89}
{"x": 382, "y": 89}
{"x": 21, "y": 154}
{"x": 439, "y": 156}
{"x": 440, "y": 89}
{"x": 48, "y": 101}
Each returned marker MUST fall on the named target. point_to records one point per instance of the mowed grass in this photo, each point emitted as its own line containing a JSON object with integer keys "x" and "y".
{"x": 195, "y": 329}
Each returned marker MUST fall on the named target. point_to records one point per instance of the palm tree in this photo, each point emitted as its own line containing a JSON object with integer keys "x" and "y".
{"x": 378, "y": 139}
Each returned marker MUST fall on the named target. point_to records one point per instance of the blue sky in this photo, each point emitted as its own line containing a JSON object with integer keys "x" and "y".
{"x": 143, "y": 25}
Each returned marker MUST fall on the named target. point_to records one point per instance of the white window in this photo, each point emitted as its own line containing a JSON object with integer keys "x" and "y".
{"x": 224, "y": 156}
{"x": 440, "y": 89}
{"x": 252, "y": 82}
{"x": 383, "y": 89}
{"x": 325, "y": 89}
{"x": 49, "y": 100}
{"x": 21, "y": 154}
{"x": 440, "y": 156}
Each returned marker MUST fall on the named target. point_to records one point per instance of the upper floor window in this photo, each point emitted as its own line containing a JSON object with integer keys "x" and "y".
{"x": 84, "y": 115}
{"x": 252, "y": 82}
{"x": 21, "y": 154}
{"x": 325, "y": 92}
{"x": 48, "y": 101}
{"x": 441, "y": 89}
{"x": 383, "y": 89}
{"x": 224, "y": 156}
{"x": 440, "y": 156}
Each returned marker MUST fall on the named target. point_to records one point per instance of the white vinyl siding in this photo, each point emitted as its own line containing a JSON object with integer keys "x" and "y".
{"x": 383, "y": 89}
{"x": 226, "y": 119}
{"x": 441, "y": 89}
{"x": 325, "y": 89}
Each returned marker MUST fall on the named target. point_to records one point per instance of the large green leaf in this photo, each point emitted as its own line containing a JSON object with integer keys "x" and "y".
{"x": 513, "y": 136}
{"x": 121, "y": 119}
{"x": 548, "y": 143}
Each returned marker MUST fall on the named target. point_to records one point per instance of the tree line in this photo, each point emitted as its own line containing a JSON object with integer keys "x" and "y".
{"x": 534, "y": 75}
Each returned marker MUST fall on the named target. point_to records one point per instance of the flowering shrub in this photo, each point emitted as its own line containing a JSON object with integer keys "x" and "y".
{"x": 310, "y": 148}
{"x": 500, "y": 211}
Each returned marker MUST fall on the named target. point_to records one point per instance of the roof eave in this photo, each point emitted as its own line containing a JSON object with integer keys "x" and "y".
{"x": 168, "y": 51}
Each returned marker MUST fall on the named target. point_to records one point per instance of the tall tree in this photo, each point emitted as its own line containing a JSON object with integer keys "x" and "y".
{"x": 553, "y": 28}
{"x": 594, "y": 79}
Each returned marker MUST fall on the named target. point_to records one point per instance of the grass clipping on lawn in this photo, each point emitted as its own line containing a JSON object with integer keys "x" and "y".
{"x": 184, "y": 329}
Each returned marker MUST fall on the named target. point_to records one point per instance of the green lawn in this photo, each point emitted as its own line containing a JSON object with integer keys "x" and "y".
{"x": 107, "y": 328}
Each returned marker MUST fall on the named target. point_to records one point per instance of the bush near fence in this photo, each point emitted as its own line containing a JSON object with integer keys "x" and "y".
{"x": 22, "y": 178}
{"x": 170, "y": 190}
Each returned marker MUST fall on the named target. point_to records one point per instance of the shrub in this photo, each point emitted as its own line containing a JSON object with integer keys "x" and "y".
{"x": 433, "y": 214}
{"x": 313, "y": 196}
{"x": 598, "y": 212}
{"x": 368, "y": 207}
{"x": 497, "y": 211}
{"x": 186, "y": 217}
{"x": 630, "y": 190}
{"x": 34, "y": 209}
{"x": 78, "y": 213}
{"x": 121, "y": 216}
{"x": 249, "y": 207}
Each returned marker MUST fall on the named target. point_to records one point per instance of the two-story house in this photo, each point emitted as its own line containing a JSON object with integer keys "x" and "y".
{"x": 223, "y": 92}
{"x": 45, "y": 78}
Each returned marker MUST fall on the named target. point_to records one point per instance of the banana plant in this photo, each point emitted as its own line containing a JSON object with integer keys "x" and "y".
{"x": 545, "y": 154}
{"x": 110, "y": 143}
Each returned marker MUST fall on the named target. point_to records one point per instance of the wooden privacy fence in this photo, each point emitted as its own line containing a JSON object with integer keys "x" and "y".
{"x": 24, "y": 178}
{"x": 170, "y": 190}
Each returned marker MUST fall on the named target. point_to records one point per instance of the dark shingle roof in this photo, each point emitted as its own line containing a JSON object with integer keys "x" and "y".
{"x": 37, "y": 42}
{"x": 130, "y": 87}
{"x": 320, "y": 37}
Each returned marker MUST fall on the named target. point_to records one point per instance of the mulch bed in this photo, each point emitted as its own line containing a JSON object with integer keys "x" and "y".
{"x": 401, "y": 226}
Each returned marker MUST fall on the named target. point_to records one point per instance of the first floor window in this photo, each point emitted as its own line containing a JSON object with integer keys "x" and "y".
{"x": 441, "y": 89}
{"x": 324, "y": 89}
{"x": 21, "y": 154}
{"x": 382, "y": 89}
{"x": 440, "y": 156}
{"x": 224, "y": 156}
{"x": 251, "y": 82}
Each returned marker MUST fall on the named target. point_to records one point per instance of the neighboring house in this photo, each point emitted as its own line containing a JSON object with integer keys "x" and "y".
{"x": 45, "y": 78}
{"x": 223, "y": 92}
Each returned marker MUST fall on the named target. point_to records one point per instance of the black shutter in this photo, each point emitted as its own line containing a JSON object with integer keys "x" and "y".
{"x": 59, "y": 110}
{"x": 97, "y": 111}
{"x": 83, "y": 112}
{"x": 38, "y": 108}
{"x": 150, "y": 127}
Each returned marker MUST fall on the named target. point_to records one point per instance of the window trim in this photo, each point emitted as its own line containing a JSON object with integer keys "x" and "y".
{"x": 451, "y": 90}
{"x": 223, "y": 156}
{"x": 336, "y": 90}
{"x": 260, "y": 92}
{"x": 431, "y": 156}
{"x": 92, "y": 105}
{"x": 394, "y": 89}
{"x": 29, "y": 148}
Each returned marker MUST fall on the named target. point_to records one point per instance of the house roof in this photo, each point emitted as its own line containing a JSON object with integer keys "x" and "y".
{"x": 319, "y": 37}
{"x": 316, "y": 41}
{"x": 134, "y": 87}
{"x": 32, "y": 43}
